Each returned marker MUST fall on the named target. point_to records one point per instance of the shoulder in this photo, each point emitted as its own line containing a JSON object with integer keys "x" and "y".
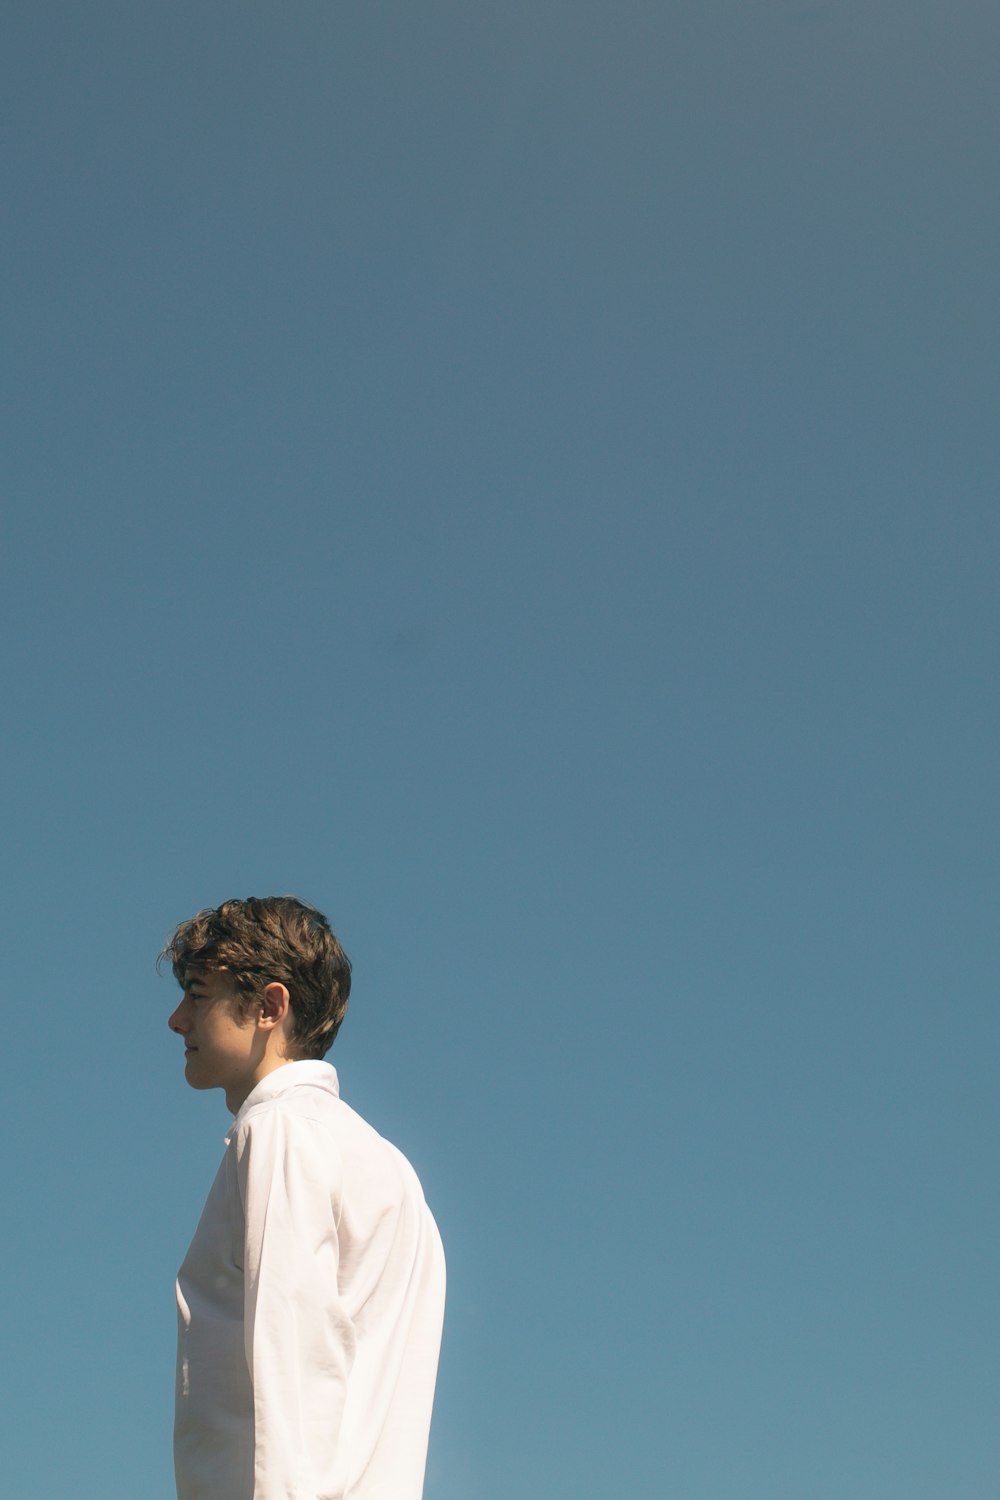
{"x": 293, "y": 1114}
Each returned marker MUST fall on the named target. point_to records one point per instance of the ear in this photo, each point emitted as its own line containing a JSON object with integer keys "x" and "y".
{"x": 274, "y": 1006}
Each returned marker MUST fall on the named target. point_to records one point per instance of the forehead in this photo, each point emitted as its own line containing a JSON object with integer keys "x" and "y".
{"x": 214, "y": 982}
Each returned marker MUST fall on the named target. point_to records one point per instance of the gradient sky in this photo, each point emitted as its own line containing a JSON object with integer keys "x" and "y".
{"x": 525, "y": 478}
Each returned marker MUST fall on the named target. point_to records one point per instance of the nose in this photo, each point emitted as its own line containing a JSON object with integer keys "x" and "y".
{"x": 179, "y": 1021}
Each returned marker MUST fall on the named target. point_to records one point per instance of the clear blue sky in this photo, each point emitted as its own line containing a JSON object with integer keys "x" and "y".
{"x": 525, "y": 478}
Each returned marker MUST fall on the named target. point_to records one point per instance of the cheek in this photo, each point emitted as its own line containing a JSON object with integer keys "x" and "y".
{"x": 236, "y": 1037}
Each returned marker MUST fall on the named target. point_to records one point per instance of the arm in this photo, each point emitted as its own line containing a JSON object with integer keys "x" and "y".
{"x": 299, "y": 1341}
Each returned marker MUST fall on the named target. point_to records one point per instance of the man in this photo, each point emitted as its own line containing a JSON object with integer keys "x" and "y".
{"x": 310, "y": 1301}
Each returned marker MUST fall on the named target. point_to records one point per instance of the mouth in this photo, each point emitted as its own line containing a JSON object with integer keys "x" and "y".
{"x": 189, "y": 1050}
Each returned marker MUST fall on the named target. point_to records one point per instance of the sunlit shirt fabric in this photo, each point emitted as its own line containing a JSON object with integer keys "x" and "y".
{"x": 309, "y": 1309}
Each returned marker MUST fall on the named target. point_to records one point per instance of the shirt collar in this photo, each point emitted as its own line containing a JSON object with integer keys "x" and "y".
{"x": 290, "y": 1075}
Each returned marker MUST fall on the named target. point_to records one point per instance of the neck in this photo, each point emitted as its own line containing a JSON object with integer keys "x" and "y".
{"x": 237, "y": 1096}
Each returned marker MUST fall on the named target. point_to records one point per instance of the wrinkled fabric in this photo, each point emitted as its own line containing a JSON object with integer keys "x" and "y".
{"x": 310, "y": 1305}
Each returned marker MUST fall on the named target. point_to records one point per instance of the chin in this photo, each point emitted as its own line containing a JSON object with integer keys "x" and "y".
{"x": 199, "y": 1083}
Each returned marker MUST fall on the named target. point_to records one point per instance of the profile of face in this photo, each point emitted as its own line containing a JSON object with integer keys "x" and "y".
{"x": 221, "y": 1043}
{"x": 228, "y": 1044}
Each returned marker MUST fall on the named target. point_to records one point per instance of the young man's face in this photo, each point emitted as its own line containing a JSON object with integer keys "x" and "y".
{"x": 220, "y": 1041}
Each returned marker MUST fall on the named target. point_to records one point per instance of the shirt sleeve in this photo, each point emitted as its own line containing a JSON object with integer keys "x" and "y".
{"x": 299, "y": 1341}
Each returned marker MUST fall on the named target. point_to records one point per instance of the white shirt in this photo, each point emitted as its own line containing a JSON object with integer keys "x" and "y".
{"x": 309, "y": 1307}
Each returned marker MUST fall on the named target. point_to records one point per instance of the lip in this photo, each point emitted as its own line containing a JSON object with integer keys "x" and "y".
{"x": 189, "y": 1050}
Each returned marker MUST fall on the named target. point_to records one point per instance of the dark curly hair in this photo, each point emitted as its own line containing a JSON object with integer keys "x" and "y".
{"x": 267, "y": 940}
